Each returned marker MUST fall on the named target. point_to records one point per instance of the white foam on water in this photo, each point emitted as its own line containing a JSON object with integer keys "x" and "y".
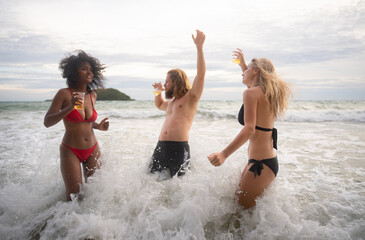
{"x": 318, "y": 193}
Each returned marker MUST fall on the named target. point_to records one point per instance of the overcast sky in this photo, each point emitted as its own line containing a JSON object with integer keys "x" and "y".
{"x": 318, "y": 46}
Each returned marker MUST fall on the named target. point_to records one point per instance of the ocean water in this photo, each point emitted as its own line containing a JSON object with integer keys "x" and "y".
{"x": 319, "y": 192}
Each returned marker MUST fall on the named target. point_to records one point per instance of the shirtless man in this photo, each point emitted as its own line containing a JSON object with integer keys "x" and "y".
{"x": 172, "y": 152}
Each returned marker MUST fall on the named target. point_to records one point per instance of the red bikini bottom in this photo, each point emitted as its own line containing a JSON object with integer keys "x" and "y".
{"x": 82, "y": 154}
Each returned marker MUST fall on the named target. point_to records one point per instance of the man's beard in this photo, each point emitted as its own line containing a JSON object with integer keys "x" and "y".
{"x": 169, "y": 93}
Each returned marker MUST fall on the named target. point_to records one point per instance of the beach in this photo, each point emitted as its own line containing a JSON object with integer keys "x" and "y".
{"x": 319, "y": 192}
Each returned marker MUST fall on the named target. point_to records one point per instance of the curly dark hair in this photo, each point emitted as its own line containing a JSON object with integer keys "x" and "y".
{"x": 71, "y": 62}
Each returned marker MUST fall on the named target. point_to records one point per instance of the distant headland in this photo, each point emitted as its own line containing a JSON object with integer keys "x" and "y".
{"x": 109, "y": 94}
{"x": 112, "y": 94}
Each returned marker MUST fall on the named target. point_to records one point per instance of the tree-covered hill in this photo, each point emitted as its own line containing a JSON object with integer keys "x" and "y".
{"x": 112, "y": 94}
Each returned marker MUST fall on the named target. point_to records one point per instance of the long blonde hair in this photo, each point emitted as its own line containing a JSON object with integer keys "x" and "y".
{"x": 181, "y": 82}
{"x": 277, "y": 92}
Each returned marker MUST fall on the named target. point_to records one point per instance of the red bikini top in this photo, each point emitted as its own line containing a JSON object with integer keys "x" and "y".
{"x": 75, "y": 116}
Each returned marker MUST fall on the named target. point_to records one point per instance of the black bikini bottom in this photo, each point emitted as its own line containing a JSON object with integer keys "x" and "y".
{"x": 171, "y": 155}
{"x": 257, "y": 166}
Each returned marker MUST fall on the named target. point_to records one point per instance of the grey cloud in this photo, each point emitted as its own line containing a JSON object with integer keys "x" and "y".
{"x": 29, "y": 49}
{"x": 43, "y": 82}
{"x": 128, "y": 81}
{"x": 18, "y": 45}
{"x": 322, "y": 36}
{"x": 165, "y": 60}
{"x": 131, "y": 82}
{"x": 330, "y": 94}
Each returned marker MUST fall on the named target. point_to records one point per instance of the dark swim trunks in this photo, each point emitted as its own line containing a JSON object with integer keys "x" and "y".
{"x": 174, "y": 156}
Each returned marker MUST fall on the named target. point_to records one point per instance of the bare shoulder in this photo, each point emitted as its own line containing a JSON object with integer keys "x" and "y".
{"x": 63, "y": 93}
{"x": 250, "y": 94}
{"x": 255, "y": 92}
{"x": 60, "y": 99}
{"x": 94, "y": 95}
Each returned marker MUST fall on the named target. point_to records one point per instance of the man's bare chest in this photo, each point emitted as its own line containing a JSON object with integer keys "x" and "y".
{"x": 176, "y": 108}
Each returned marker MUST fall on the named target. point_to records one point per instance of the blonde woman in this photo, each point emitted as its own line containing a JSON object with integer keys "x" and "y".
{"x": 265, "y": 99}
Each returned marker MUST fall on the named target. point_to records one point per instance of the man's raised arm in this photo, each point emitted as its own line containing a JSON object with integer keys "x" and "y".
{"x": 198, "y": 84}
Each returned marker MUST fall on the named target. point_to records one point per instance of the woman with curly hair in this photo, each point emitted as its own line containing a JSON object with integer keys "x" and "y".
{"x": 265, "y": 99}
{"x": 75, "y": 106}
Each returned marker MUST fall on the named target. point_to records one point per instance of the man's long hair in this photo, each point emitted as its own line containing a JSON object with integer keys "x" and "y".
{"x": 181, "y": 82}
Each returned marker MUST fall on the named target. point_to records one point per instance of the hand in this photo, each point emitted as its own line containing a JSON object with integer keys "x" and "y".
{"x": 199, "y": 39}
{"x": 104, "y": 125}
{"x": 239, "y": 55}
{"x": 217, "y": 159}
{"x": 77, "y": 99}
{"x": 158, "y": 86}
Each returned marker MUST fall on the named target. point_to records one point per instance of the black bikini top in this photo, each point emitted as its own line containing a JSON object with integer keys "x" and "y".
{"x": 274, "y": 130}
